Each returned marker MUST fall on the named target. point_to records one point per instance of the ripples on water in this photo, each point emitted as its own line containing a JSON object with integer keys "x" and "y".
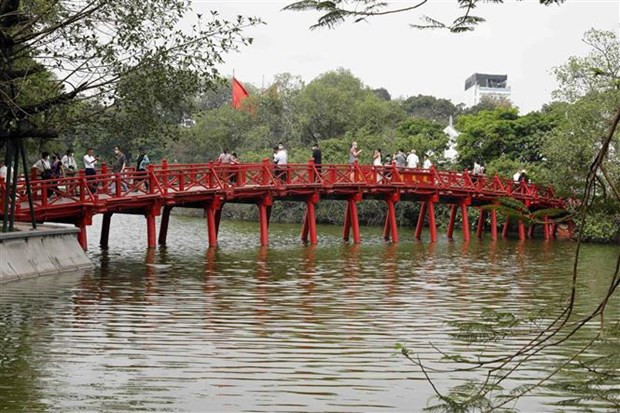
{"x": 288, "y": 328}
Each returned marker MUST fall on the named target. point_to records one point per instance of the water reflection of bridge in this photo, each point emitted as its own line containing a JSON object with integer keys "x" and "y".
{"x": 158, "y": 190}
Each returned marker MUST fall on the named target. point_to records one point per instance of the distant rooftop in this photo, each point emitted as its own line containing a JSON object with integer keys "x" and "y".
{"x": 486, "y": 80}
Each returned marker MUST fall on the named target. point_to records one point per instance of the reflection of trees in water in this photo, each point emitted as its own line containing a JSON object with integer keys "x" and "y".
{"x": 20, "y": 364}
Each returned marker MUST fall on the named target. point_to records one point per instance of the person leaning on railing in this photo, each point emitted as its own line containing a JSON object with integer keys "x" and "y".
{"x": 44, "y": 170}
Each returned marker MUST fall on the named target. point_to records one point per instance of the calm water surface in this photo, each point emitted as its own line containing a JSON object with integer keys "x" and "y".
{"x": 288, "y": 328}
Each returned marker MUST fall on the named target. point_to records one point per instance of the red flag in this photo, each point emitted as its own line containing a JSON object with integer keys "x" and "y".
{"x": 238, "y": 93}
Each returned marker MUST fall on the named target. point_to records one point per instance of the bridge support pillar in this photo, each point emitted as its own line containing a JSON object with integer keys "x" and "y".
{"x": 351, "y": 222}
{"x": 481, "y": 219}
{"x": 163, "y": 226}
{"x": 105, "y": 230}
{"x": 427, "y": 208}
{"x": 546, "y": 228}
{"x": 505, "y": 229}
{"x": 264, "y": 215}
{"x": 214, "y": 214}
{"x": 494, "y": 225}
{"x": 554, "y": 230}
{"x": 211, "y": 227}
{"x": 431, "y": 220}
{"x": 391, "y": 226}
{"x": 309, "y": 224}
{"x": 521, "y": 230}
{"x": 453, "y": 211}
{"x": 82, "y": 222}
{"x": 151, "y": 232}
{"x": 530, "y": 231}
{"x": 465, "y": 218}
{"x": 420, "y": 224}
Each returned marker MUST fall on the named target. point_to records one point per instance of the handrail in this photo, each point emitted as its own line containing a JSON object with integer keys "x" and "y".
{"x": 166, "y": 180}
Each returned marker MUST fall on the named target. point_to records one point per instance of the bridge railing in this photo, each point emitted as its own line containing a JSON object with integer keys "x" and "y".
{"x": 165, "y": 179}
{"x": 187, "y": 177}
{"x": 49, "y": 192}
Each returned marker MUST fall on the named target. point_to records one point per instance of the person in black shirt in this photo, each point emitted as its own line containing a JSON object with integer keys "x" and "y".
{"x": 316, "y": 157}
{"x": 316, "y": 154}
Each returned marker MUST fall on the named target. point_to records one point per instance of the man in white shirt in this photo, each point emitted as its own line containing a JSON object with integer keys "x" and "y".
{"x": 281, "y": 159}
{"x": 412, "y": 159}
{"x": 89, "y": 168}
{"x": 515, "y": 177}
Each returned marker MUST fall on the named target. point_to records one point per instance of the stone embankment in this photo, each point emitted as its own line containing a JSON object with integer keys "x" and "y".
{"x": 47, "y": 250}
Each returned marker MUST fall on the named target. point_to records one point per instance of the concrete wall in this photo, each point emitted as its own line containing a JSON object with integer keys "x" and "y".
{"x": 48, "y": 250}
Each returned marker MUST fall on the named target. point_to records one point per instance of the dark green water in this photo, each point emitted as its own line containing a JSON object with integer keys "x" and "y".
{"x": 288, "y": 328}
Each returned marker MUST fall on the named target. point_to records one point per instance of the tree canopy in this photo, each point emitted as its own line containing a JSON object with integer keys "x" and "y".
{"x": 336, "y": 12}
{"x": 103, "y": 52}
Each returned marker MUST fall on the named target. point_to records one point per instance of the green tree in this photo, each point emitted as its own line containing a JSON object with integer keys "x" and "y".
{"x": 589, "y": 93}
{"x": 430, "y": 107}
{"x": 337, "y": 11}
{"x": 327, "y": 105}
{"x": 425, "y": 136}
{"x": 489, "y": 134}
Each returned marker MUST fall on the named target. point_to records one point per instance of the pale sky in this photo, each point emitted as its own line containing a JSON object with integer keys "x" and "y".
{"x": 521, "y": 39}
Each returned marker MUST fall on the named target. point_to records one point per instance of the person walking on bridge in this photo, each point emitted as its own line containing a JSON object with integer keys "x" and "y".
{"x": 412, "y": 159}
{"x": 281, "y": 161}
{"x": 225, "y": 157}
{"x": 354, "y": 153}
{"x": 317, "y": 158}
{"x": 141, "y": 164}
{"x": 401, "y": 160}
{"x": 376, "y": 163}
{"x": 427, "y": 162}
{"x": 120, "y": 163}
{"x": 89, "y": 169}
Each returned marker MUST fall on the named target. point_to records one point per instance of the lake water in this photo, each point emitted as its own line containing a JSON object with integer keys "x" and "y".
{"x": 284, "y": 328}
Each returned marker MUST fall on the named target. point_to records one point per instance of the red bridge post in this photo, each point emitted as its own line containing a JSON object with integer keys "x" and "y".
{"x": 505, "y": 229}
{"x": 428, "y": 207}
{"x": 213, "y": 220}
{"x": 264, "y": 212}
{"x": 351, "y": 221}
{"x": 420, "y": 224}
{"x": 521, "y": 230}
{"x": 391, "y": 225}
{"x": 465, "y": 219}
{"x": 309, "y": 224}
{"x": 82, "y": 222}
{"x": 546, "y": 228}
{"x": 494, "y": 225}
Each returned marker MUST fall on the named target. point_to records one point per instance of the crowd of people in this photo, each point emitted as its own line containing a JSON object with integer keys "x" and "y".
{"x": 53, "y": 166}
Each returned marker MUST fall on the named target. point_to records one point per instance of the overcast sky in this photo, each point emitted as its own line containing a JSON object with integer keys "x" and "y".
{"x": 521, "y": 39}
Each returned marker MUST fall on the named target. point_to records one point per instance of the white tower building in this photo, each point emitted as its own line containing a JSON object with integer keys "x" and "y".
{"x": 480, "y": 85}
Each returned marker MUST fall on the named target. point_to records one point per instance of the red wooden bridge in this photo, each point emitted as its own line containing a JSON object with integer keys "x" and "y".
{"x": 162, "y": 187}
